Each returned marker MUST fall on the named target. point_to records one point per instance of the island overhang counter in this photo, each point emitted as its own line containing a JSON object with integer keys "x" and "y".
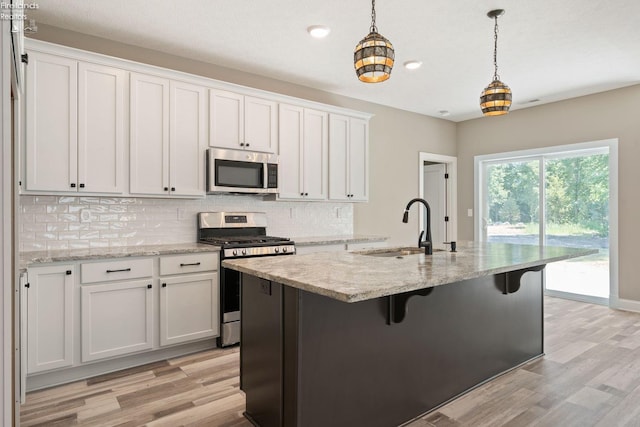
{"x": 346, "y": 339}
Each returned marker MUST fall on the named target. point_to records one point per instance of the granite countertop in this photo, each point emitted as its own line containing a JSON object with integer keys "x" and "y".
{"x": 354, "y": 276}
{"x": 64, "y": 255}
{"x": 331, "y": 240}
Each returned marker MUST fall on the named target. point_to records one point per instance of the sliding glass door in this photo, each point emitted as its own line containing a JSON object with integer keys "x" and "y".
{"x": 577, "y": 215}
{"x": 512, "y": 205}
{"x": 555, "y": 199}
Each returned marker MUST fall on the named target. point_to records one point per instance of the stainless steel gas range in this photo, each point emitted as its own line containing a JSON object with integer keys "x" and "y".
{"x": 239, "y": 235}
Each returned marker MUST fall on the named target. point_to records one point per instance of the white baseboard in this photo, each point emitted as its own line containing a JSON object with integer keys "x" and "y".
{"x": 624, "y": 304}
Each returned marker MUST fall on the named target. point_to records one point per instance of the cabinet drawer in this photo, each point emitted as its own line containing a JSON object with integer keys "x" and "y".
{"x": 118, "y": 269}
{"x": 190, "y": 263}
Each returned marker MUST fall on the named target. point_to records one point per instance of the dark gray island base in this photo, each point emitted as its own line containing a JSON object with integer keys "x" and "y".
{"x": 381, "y": 337}
{"x": 310, "y": 360}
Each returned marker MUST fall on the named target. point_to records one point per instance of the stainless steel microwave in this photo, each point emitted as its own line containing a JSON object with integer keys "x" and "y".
{"x": 241, "y": 171}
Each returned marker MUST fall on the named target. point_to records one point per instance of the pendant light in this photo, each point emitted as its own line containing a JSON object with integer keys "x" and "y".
{"x": 495, "y": 100}
{"x": 374, "y": 56}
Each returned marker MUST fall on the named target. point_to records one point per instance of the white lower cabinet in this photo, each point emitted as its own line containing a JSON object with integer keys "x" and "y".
{"x": 188, "y": 308}
{"x": 99, "y": 315}
{"x": 49, "y": 294}
{"x": 116, "y": 319}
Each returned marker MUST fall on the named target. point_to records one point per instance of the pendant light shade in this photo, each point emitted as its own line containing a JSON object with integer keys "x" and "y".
{"x": 495, "y": 99}
{"x": 374, "y": 56}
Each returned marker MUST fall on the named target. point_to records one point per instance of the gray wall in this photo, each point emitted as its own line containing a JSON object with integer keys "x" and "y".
{"x": 396, "y": 136}
{"x": 613, "y": 114}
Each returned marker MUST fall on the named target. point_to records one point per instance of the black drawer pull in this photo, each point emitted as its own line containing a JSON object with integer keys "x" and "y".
{"x": 149, "y": 286}
{"x": 68, "y": 272}
{"x": 164, "y": 285}
{"x": 118, "y": 271}
{"x": 186, "y": 265}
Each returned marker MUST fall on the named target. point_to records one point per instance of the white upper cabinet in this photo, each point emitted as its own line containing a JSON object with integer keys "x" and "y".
{"x": 149, "y": 135}
{"x": 302, "y": 172}
{"x": 75, "y": 126}
{"x": 52, "y": 119}
{"x": 100, "y": 125}
{"x": 188, "y": 139}
{"x": 101, "y": 100}
{"x": 242, "y": 122}
{"x": 348, "y": 158}
{"x": 168, "y": 137}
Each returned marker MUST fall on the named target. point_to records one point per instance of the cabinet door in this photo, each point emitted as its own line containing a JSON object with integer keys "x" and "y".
{"x": 188, "y": 133}
{"x": 116, "y": 319}
{"x": 359, "y": 160}
{"x": 50, "y": 318}
{"x": 260, "y": 125}
{"x": 226, "y": 119}
{"x": 315, "y": 154}
{"x": 290, "y": 129}
{"x": 149, "y": 135}
{"x": 100, "y": 128}
{"x": 51, "y": 116}
{"x": 338, "y": 157}
{"x": 189, "y": 308}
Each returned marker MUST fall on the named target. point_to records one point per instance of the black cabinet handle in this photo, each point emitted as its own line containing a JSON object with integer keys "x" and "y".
{"x": 68, "y": 272}
{"x": 242, "y": 144}
{"x": 185, "y": 265}
{"x": 173, "y": 188}
{"x": 166, "y": 188}
{"x": 73, "y": 185}
{"x": 164, "y": 285}
{"x": 81, "y": 185}
{"x": 149, "y": 286}
{"x": 117, "y": 271}
{"x": 246, "y": 145}
{"x": 27, "y": 285}
{"x": 306, "y": 194}
{"x": 302, "y": 194}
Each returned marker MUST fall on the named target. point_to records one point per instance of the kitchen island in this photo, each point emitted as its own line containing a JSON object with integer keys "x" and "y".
{"x": 379, "y": 338}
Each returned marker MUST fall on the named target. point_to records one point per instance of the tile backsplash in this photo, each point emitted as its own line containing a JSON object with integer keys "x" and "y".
{"x": 70, "y": 222}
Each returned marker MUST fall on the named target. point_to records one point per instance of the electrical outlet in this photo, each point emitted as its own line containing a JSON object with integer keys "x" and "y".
{"x": 469, "y": 212}
{"x": 85, "y": 215}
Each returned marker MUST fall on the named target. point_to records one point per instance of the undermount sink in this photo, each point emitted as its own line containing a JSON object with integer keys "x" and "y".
{"x": 395, "y": 252}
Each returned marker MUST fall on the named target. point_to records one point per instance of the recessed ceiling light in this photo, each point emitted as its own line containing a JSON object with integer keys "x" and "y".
{"x": 412, "y": 65}
{"x": 318, "y": 31}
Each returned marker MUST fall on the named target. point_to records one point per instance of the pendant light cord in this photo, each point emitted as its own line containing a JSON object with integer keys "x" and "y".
{"x": 373, "y": 28}
{"x": 495, "y": 50}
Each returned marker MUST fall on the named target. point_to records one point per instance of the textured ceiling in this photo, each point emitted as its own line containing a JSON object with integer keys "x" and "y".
{"x": 548, "y": 50}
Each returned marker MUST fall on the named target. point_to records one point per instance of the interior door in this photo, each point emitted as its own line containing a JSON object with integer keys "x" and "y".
{"x": 435, "y": 193}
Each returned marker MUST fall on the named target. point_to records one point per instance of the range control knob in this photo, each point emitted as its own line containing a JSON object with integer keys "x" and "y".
{"x": 235, "y": 252}
{"x": 276, "y": 250}
{"x": 244, "y": 252}
{"x": 284, "y": 250}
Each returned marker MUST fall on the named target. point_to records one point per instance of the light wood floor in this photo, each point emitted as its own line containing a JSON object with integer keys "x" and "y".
{"x": 590, "y": 376}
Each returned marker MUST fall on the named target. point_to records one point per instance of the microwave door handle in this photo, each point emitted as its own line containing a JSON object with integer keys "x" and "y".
{"x": 265, "y": 175}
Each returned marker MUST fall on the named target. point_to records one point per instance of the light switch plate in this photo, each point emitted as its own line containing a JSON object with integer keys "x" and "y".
{"x": 469, "y": 212}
